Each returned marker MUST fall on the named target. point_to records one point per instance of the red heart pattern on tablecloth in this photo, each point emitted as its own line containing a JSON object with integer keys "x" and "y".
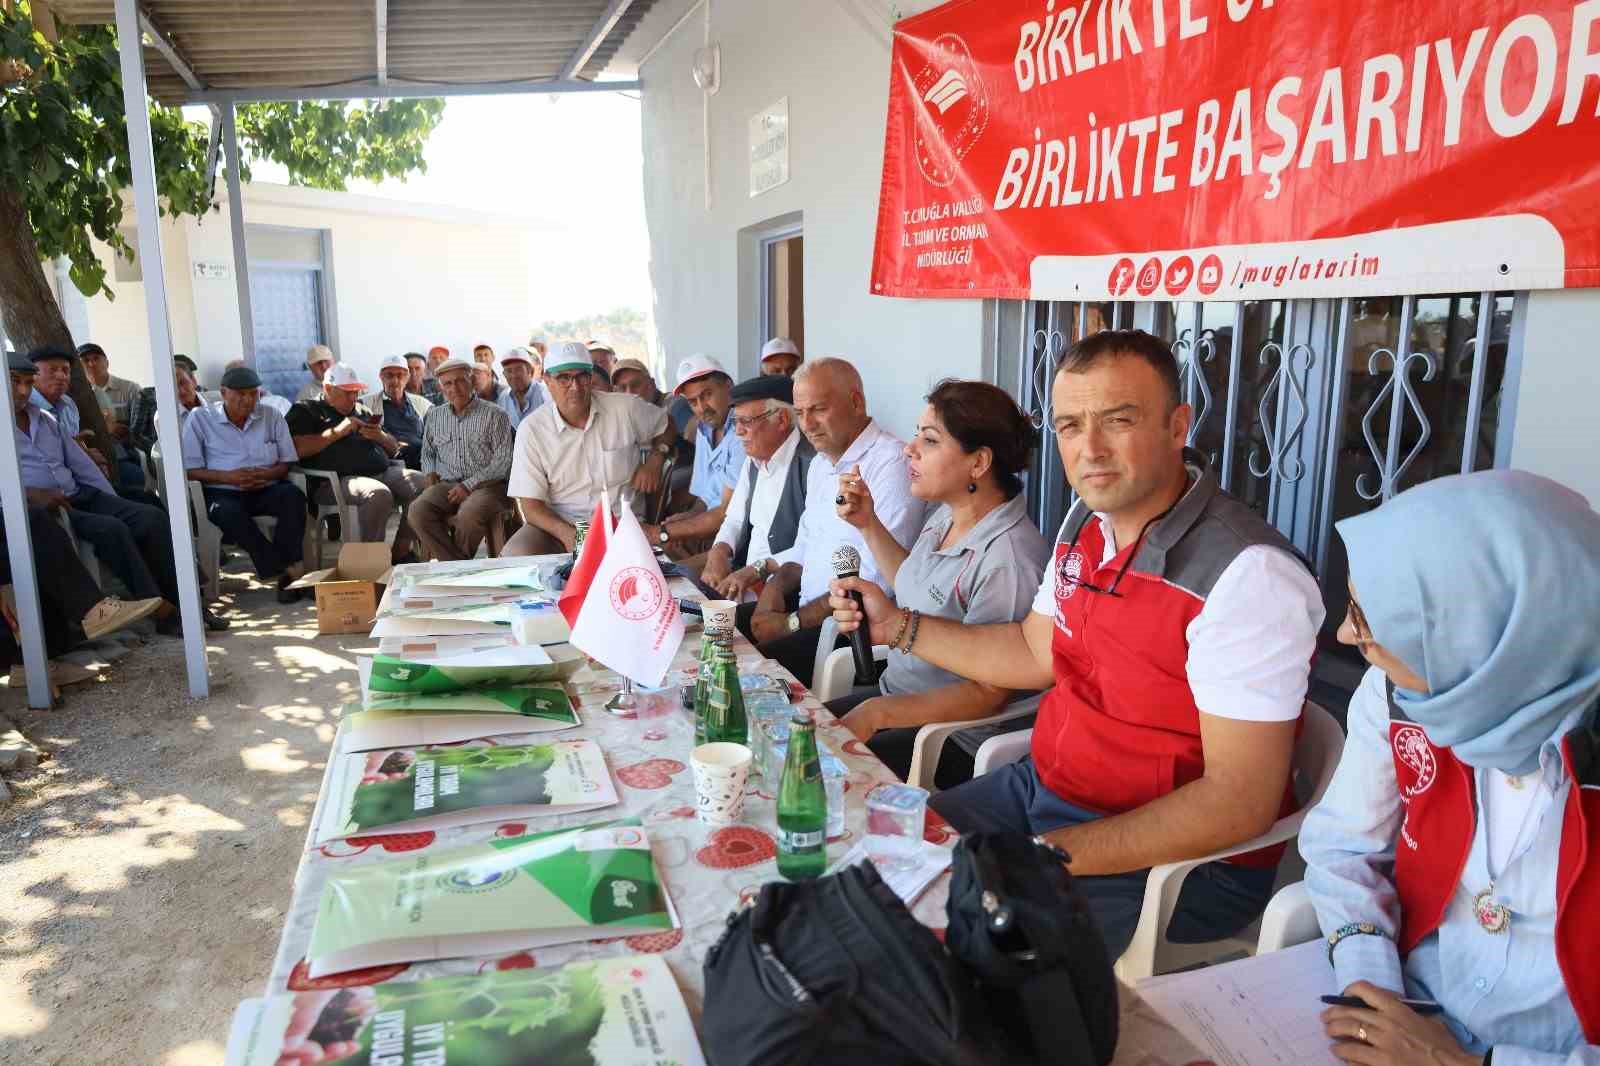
{"x": 511, "y": 829}
{"x": 734, "y": 846}
{"x": 350, "y": 847}
{"x": 935, "y": 830}
{"x": 652, "y": 773}
{"x": 300, "y": 979}
{"x": 855, "y": 747}
{"x": 522, "y": 960}
{"x": 656, "y": 943}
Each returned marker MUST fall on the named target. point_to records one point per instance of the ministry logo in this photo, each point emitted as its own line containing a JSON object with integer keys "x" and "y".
{"x": 953, "y": 111}
{"x": 636, "y": 593}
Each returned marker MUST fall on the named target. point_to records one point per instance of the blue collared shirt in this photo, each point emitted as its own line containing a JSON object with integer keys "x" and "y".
{"x": 66, "y": 412}
{"x": 716, "y": 467}
{"x": 52, "y": 460}
{"x": 1503, "y": 989}
{"x": 518, "y": 411}
{"x": 212, "y": 442}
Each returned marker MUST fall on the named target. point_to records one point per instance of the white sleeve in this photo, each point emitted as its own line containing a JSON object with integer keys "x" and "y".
{"x": 1250, "y": 647}
{"x": 733, "y": 517}
{"x": 528, "y": 479}
{"x": 1044, "y": 601}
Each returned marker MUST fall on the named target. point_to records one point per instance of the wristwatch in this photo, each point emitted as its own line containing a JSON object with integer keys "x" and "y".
{"x": 662, "y": 450}
{"x": 794, "y": 621}
{"x": 664, "y": 537}
{"x": 767, "y": 566}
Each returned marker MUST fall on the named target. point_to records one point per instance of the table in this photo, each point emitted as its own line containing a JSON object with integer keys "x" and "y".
{"x": 706, "y": 871}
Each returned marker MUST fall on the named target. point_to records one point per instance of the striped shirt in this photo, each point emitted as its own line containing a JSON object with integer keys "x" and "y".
{"x": 471, "y": 448}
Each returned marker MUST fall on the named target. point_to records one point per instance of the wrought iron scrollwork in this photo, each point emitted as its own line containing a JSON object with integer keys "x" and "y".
{"x": 1191, "y": 353}
{"x": 1045, "y": 350}
{"x": 1395, "y": 389}
{"x": 1278, "y": 460}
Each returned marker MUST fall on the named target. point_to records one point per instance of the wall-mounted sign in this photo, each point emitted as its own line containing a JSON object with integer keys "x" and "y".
{"x": 769, "y": 147}
{"x": 208, "y": 271}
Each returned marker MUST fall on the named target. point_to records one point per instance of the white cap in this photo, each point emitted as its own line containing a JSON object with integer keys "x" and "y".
{"x": 342, "y": 376}
{"x": 455, "y": 362}
{"x": 394, "y": 362}
{"x": 567, "y": 355}
{"x": 517, "y": 355}
{"x": 778, "y": 346}
{"x": 319, "y": 353}
{"x": 697, "y": 366}
{"x": 600, "y": 344}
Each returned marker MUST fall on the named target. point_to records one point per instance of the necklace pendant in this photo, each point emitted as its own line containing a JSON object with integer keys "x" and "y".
{"x": 1494, "y": 917}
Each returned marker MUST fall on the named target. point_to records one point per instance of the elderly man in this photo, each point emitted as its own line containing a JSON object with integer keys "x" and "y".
{"x": 417, "y": 368}
{"x": 780, "y": 357}
{"x": 340, "y": 434}
{"x": 142, "y": 411}
{"x": 240, "y": 453}
{"x": 602, "y": 355}
{"x": 521, "y": 395}
{"x": 115, "y": 396}
{"x": 430, "y": 383}
{"x": 718, "y": 458}
{"x": 400, "y": 408}
{"x": 1176, "y": 628}
{"x": 133, "y": 539}
{"x": 318, "y": 359}
{"x": 466, "y": 455}
{"x": 763, "y": 517}
{"x": 570, "y": 451}
{"x": 633, "y": 377}
{"x": 486, "y": 383}
{"x": 831, "y": 407}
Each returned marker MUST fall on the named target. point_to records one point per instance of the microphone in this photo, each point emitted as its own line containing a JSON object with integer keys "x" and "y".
{"x": 847, "y": 563}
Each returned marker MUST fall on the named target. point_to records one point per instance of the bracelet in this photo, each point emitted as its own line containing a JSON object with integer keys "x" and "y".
{"x": 905, "y": 617}
{"x": 1353, "y": 929}
{"x": 911, "y": 638}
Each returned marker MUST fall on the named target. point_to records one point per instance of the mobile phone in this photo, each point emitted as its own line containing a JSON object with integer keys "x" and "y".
{"x": 1421, "y": 1006}
{"x": 689, "y": 607}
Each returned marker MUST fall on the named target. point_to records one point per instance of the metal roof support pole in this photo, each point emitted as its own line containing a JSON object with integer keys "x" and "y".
{"x": 593, "y": 39}
{"x": 241, "y": 258}
{"x": 24, "y": 582}
{"x": 380, "y": 25}
{"x": 141, "y": 160}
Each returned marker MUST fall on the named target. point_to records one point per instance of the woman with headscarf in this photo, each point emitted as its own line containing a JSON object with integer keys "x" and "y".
{"x": 1456, "y": 855}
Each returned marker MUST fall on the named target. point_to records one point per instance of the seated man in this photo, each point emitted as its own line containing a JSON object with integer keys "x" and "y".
{"x": 486, "y": 383}
{"x": 431, "y": 390}
{"x": 781, "y": 357}
{"x": 718, "y": 458}
{"x": 831, "y": 407}
{"x": 338, "y": 433}
{"x": 116, "y": 398}
{"x": 240, "y": 453}
{"x": 570, "y": 451}
{"x": 417, "y": 365}
{"x": 763, "y": 516}
{"x": 521, "y": 395}
{"x": 401, "y": 407}
{"x": 133, "y": 539}
{"x": 265, "y": 397}
{"x": 318, "y": 359}
{"x": 1177, "y": 628}
{"x": 52, "y": 393}
{"x": 466, "y": 454}
{"x": 142, "y": 411}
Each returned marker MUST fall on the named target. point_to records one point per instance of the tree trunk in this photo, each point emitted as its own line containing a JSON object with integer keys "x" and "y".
{"x": 32, "y": 317}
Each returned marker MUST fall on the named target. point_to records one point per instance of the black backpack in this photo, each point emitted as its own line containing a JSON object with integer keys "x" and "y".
{"x": 837, "y": 972}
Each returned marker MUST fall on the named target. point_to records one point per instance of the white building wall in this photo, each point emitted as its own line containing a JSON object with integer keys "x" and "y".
{"x": 1557, "y": 431}
{"x": 121, "y": 324}
{"x": 831, "y": 60}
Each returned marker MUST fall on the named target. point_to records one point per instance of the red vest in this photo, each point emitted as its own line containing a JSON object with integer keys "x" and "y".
{"x": 1120, "y": 728}
{"x": 1441, "y": 818}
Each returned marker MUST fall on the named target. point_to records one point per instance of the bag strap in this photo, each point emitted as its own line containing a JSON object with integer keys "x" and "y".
{"x": 1055, "y": 1019}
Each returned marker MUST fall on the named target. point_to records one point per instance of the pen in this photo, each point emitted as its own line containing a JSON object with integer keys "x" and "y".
{"x": 1421, "y": 1006}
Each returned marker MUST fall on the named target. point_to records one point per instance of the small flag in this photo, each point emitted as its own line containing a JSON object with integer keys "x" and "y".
{"x": 583, "y": 571}
{"x": 628, "y": 619}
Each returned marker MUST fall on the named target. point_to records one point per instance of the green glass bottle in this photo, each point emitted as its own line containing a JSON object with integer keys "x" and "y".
{"x": 726, "y": 721}
{"x": 709, "y": 639}
{"x": 802, "y": 806}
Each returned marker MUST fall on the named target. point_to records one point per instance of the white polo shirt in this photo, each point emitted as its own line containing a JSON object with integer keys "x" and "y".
{"x": 568, "y": 467}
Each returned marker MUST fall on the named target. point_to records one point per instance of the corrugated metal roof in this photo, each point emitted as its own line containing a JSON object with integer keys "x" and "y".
{"x": 296, "y": 44}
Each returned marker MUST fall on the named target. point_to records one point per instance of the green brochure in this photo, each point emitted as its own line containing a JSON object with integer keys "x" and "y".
{"x": 405, "y": 789}
{"x": 389, "y": 676}
{"x": 417, "y": 721}
{"x": 505, "y": 895}
{"x": 610, "y": 1012}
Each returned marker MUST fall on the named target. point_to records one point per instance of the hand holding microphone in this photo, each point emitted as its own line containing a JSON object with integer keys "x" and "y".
{"x": 847, "y": 563}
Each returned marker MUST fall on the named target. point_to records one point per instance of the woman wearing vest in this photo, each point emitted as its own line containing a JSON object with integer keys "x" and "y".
{"x": 977, "y": 560}
{"x": 1456, "y": 856}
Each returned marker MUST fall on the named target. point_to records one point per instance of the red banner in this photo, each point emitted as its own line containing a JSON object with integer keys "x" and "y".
{"x": 1241, "y": 149}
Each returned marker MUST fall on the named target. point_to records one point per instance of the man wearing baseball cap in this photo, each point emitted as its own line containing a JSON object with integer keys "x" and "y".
{"x": 718, "y": 457}
{"x": 341, "y": 435}
{"x": 430, "y": 383}
{"x": 318, "y": 359}
{"x": 780, "y": 355}
{"x": 568, "y": 452}
{"x": 240, "y": 450}
{"x": 603, "y": 355}
{"x": 400, "y": 408}
{"x": 466, "y": 454}
{"x": 521, "y": 395}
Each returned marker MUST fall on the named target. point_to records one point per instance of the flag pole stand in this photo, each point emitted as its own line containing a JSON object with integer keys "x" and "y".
{"x": 623, "y": 703}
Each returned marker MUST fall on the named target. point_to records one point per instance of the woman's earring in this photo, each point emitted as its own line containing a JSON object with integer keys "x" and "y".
{"x": 972, "y": 486}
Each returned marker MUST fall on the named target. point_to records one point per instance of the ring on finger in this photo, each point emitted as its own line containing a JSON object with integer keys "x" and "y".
{"x": 1361, "y": 1034}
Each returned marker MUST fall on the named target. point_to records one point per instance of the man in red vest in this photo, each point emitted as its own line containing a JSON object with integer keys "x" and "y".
{"x": 1175, "y": 632}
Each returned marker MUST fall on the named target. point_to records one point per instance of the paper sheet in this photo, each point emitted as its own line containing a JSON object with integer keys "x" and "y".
{"x": 1261, "y": 1011}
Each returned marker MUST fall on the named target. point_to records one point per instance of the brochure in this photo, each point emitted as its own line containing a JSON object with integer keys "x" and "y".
{"x": 418, "y": 721}
{"x": 609, "y": 1012}
{"x": 522, "y": 577}
{"x": 509, "y": 894}
{"x": 384, "y": 676}
{"x": 538, "y": 615}
{"x": 400, "y": 790}
{"x": 432, "y": 647}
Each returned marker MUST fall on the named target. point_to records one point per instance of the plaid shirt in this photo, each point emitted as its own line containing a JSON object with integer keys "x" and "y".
{"x": 471, "y": 448}
{"x": 142, "y": 418}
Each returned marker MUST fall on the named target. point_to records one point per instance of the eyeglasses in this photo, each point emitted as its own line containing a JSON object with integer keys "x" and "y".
{"x": 1121, "y": 570}
{"x": 567, "y": 381}
{"x": 740, "y": 422}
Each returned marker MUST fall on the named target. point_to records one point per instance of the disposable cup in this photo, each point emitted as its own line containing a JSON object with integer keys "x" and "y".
{"x": 718, "y": 614}
{"x": 721, "y": 772}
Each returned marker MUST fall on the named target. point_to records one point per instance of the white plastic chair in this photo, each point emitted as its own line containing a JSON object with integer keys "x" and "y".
{"x": 1289, "y": 919}
{"x": 1316, "y": 756}
{"x": 208, "y": 538}
{"x": 349, "y": 517}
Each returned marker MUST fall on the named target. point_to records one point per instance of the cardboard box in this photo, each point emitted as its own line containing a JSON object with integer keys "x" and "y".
{"x": 347, "y": 595}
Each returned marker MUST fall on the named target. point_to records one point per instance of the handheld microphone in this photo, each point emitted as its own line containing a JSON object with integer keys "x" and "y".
{"x": 847, "y": 563}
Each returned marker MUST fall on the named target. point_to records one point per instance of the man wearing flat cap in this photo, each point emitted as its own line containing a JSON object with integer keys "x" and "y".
{"x": 763, "y": 516}
{"x": 240, "y": 453}
{"x": 466, "y": 454}
{"x": 585, "y": 443}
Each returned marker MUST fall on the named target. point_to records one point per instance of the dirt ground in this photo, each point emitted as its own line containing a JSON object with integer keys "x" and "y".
{"x": 145, "y": 867}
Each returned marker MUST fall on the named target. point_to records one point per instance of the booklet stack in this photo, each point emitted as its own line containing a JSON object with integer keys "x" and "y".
{"x": 611, "y": 1012}
{"x": 478, "y": 598}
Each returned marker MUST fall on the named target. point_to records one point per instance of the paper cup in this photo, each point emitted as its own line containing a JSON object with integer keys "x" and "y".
{"x": 718, "y": 614}
{"x": 720, "y": 774}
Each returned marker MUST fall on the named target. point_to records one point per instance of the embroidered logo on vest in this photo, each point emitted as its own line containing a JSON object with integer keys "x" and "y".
{"x": 1411, "y": 747}
{"x": 1068, "y": 570}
